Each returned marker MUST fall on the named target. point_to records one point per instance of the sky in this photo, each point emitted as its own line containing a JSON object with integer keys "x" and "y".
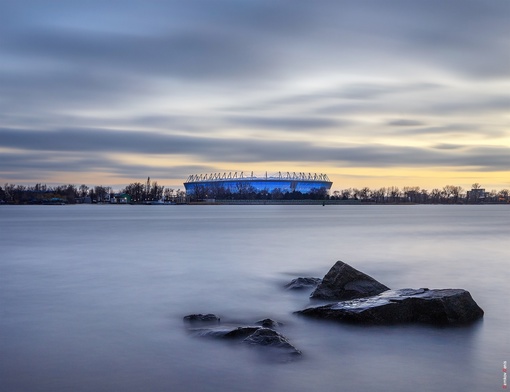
{"x": 373, "y": 93}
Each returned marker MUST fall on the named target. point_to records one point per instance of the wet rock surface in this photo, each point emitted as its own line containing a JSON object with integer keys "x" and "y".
{"x": 269, "y": 323}
{"x": 303, "y": 283}
{"x": 439, "y": 306}
{"x": 271, "y": 338}
{"x": 262, "y": 335}
{"x": 344, "y": 282}
{"x": 225, "y": 332}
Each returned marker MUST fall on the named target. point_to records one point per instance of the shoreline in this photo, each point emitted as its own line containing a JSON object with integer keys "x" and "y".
{"x": 260, "y": 202}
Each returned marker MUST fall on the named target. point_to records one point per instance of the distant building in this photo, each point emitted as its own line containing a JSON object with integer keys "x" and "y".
{"x": 477, "y": 195}
{"x": 120, "y": 198}
{"x": 219, "y": 184}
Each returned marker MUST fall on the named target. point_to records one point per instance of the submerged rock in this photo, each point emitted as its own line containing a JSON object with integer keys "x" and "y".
{"x": 271, "y": 338}
{"x": 268, "y": 323}
{"x": 445, "y": 306}
{"x": 225, "y": 332}
{"x": 257, "y": 335}
{"x": 241, "y": 332}
{"x": 303, "y": 283}
{"x": 344, "y": 282}
{"x": 202, "y": 318}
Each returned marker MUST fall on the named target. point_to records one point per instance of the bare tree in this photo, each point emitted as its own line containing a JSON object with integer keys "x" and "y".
{"x": 346, "y": 193}
{"x": 378, "y": 194}
{"x": 394, "y": 193}
{"x": 435, "y": 194}
{"x": 493, "y": 196}
{"x": 424, "y": 195}
{"x": 411, "y": 192}
{"x": 83, "y": 190}
{"x": 169, "y": 194}
{"x": 503, "y": 194}
{"x": 456, "y": 191}
{"x": 9, "y": 192}
{"x": 365, "y": 193}
{"x": 102, "y": 193}
{"x": 451, "y": 193}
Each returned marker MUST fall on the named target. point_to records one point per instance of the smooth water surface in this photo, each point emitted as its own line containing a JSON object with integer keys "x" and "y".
{"x": 92, "y": 297}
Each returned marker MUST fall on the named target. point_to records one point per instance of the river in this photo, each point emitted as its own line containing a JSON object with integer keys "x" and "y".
{"x": 92, "y": 296}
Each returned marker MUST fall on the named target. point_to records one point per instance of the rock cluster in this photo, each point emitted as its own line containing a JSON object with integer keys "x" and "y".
{"x": 364, "y": 300}
{"x": 354, "y": 298}
{"x": 262, "y": 334}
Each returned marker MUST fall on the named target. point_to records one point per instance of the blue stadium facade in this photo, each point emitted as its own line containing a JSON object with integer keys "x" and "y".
{"x": 218, "y": 184}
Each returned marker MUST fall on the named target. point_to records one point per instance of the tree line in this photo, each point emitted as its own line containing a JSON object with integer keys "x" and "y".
{"x": 151, "y": 191}
{"x": 71, "y": 194}
{"x": 142, "y": 192}
{"x": 449, "y": 194}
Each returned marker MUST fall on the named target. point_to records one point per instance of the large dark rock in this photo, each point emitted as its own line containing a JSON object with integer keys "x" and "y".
{"x": 269, "y": 337}
{"x": 303, "y": 283}
{"x": 344, "y": 282}
{"x": 447, "y": 306}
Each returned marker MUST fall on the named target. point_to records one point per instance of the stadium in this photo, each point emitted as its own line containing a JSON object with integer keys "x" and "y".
{"x": 218, "y": 185}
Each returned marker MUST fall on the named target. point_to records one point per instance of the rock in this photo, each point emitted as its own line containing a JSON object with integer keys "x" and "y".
{"x": 202, "y": 318}
{"x": 224, "y": 332}
{"x": 268, "y": 323}
{"x": 253, "y": 335}
{"x": 269, "y": 337}
{"x": 241, "y": 332}
{"x": 440, "y": 307}
{"x": 344, "y": 282}
{"x": 303, "y": 283}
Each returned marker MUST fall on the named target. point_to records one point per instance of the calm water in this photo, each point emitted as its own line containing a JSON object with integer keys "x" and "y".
{"x": 92, "y": 297}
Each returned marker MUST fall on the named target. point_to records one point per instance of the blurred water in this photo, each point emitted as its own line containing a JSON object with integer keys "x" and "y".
{"x": 92, "y": 297}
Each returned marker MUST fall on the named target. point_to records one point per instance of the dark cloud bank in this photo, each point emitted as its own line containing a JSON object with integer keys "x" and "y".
{"x": 37, "y": 146}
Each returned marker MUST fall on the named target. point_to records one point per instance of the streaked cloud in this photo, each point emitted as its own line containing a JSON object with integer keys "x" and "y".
{"x": 122, "y": 91}
{"x": 204, "y": 149}
{"x": 402, "y": 122}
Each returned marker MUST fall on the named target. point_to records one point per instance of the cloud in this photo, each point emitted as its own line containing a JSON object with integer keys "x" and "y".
{"x": 447, "y": 146}
{"x": 405, "y": 123}
{"x": 284, "y": 123}
{"x": 40, "y": 165}
{"x": 228, "y": 41}
{"x": 101, "y": 140}
{"x": 57, "y": 145}
{"x": 197, "y": 80}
